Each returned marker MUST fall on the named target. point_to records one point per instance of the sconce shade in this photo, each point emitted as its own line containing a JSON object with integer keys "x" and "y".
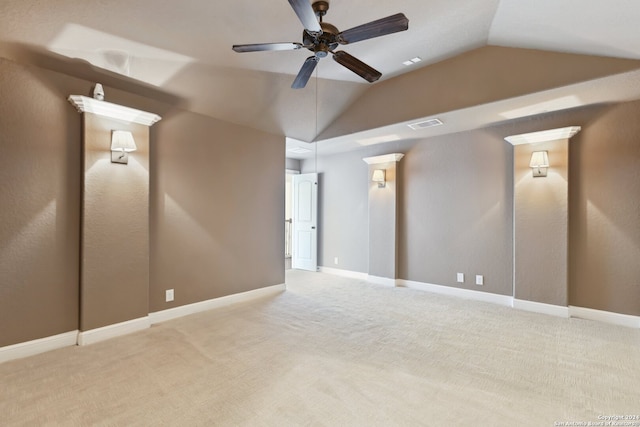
{"x": 378, "y": 175}
{"x": 539, "y": 159}
{"x": 539, "y": 163}
{"x": 122, "y": 140}
{"x": 121, "y": 143}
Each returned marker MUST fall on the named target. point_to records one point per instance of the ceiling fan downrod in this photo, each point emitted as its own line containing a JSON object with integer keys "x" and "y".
{"x": 320, "y": 8}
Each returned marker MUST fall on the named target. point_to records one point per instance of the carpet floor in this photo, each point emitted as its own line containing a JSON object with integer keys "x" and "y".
{"x": 332, "y": 351}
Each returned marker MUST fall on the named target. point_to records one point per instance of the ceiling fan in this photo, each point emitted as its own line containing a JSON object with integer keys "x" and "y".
{"x": 323, "y": 38}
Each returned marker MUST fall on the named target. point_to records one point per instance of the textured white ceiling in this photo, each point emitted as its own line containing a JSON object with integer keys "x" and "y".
{"x": 206, "y": 31}
{"x": 184, "y": 48}
{"x": 605, "y": 28}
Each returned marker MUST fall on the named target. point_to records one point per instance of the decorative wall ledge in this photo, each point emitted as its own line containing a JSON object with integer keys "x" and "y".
{"x": 85, "y": 104}
{"x": 387, "y": 158}
{"x": 543, "y": 136}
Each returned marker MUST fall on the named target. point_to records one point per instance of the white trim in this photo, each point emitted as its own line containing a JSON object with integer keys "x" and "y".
{"x": 114, "y": 111}
{"x": 605, "y": 316}
{"x": 504, "y": 300}
{"x": 111, "y": 331}
{"x": 344, "y": 273}
{"x": 30, "y": 348}
{"x": 387, "y": 158}
{"x": 185, "y": 310}
{"x": 543, "y": 136}
{"x": 292, "y": 172}
{"x": 384, "y": 281}
{"x": 539, "y": 307}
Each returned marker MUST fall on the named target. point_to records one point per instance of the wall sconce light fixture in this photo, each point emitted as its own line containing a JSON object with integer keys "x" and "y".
{"x": 122, "y": 143}
{"x": 539, "y": 163}
{"x": 379, "y": 177}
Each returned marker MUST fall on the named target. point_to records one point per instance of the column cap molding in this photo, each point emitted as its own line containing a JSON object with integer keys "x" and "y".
{"x": 85, "y": 104}
{"x": 387, "y": 158}
{"x": 543, "y": 136}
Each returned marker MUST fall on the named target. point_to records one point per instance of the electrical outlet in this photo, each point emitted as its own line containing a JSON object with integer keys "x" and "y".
{"x": 479, "y": 280}
{"x": 168, "y": 295}
{"x": 335, "y": 260}
{"x": 460, "y": 278}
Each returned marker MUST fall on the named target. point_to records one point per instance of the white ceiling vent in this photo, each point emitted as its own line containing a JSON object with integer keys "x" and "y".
{"x": 425, "y": 124}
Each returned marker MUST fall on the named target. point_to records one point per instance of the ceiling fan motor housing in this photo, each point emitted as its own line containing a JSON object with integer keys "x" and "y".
{"x": 325, "y": 42}
{"x": 322, "y": 38}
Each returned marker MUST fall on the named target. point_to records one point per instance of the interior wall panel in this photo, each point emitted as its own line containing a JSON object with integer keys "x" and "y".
{"x": 604, "y": 212}
{"x": 115, "y": 226}
{"x": 39, "y": 205}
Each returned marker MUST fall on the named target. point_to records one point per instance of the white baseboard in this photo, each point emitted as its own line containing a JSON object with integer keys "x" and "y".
{"x": 605, "y": 316}
{"x": 111, "y": 331}
{"x": 185, "y": 310}
{"x": 457, "y": 292}
{"x": 539, "y": 307}
{"x": 384, "y": 281}
{"x": 30, "y": 348}
{"x": 344, "y": 273}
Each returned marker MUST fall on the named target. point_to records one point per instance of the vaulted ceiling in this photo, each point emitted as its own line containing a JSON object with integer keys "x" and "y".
{"x": 184, "y": 49}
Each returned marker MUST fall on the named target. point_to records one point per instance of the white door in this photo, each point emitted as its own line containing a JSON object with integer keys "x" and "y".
{"x": 305, "y": 233}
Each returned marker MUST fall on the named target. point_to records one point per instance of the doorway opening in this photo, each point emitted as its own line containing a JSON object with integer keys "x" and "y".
{"x": 300, "y": 222}
{"x": 288, "y": 217}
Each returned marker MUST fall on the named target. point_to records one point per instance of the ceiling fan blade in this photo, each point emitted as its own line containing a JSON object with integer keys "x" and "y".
{"x": 305, "y": 72}
{"x": 260, "y": 47}
{"x": 357, "y": 66}
{"x": 306, "y": 15}
{"x": 381, "y": 27}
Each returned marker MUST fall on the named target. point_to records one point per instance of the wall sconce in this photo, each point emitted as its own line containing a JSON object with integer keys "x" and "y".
{"x": 379, "y": 177}
{"x": 539, "y": 163}
{"x": 122, "y": 143}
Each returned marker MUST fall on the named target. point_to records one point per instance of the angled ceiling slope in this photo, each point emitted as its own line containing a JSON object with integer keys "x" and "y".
{"x": 482, "y": 76}
{"x": 183, "y": 51}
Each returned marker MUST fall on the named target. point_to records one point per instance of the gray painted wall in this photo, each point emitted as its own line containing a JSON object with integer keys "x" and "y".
{"x": 114, "y": 251}
{"x": 216, "y": 194}
{"x": 343, "y": 206}
{"x": 40, "y": 136}
{"x": 217, "y": 209}
{"x": 604, "y": 212}
{"x": 456, "y": 201}
{"x": 40, "y": 198}
{"x": 383, "y": 222}
{"x": 292, "y": 164}
{"x": 541, "y": 223}
{"x": 456, "y": 213}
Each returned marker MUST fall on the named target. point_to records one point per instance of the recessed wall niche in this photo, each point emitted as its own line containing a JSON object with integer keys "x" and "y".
{"x": 383, "y": 217}
{"x": 114, "y": 249}
{"x": 541, "y": 221}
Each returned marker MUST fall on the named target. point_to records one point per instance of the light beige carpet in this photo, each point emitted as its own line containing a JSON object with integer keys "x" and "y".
{"x": 336, "y": 352}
